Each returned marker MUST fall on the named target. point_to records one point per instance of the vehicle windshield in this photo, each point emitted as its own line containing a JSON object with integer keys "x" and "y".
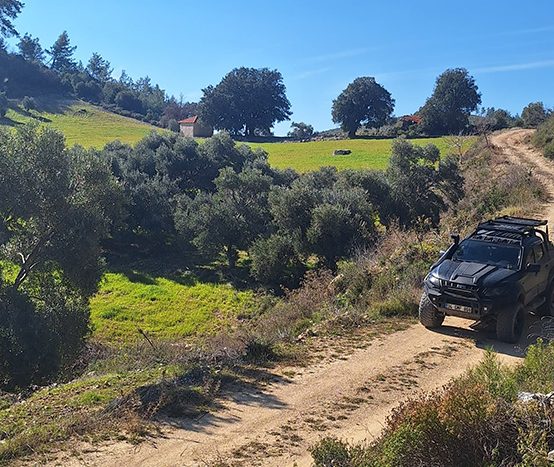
{"x": 504, "y": 256}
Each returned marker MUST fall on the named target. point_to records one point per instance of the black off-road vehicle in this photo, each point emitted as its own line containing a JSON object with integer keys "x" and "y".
{"x": 502, "y": 271}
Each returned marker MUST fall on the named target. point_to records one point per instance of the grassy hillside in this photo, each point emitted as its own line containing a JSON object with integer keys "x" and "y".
{"x": 81, "y": 123}
{"x": 366, "y": 153}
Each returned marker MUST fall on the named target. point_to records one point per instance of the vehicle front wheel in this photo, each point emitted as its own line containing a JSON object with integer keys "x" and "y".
{"x": 510, "y": 324}
{"x": 429, "y": 316}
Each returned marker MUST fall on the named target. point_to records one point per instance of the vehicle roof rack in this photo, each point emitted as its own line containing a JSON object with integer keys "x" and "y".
{"x": 511, "y": 229}
{"x": 523, "y": 221}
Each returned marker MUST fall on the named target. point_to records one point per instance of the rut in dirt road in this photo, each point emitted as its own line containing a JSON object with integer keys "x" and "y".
{"x": 347, "y": 397}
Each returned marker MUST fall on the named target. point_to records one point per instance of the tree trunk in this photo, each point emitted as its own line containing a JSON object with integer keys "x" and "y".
{"x": 352, "y": 134}
{"x": 232, "y": 256}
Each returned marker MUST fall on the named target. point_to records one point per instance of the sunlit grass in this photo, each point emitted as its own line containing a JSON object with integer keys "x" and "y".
{"x": 164, "y": 307}
{"x": 366, "y": 153}
{"x": 85, "y": 124}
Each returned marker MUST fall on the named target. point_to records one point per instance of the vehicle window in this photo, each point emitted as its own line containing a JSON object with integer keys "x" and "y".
{"x": 539, "y": 252}
{"x": 505, "y": 256}
{"x": 529, "y": 257}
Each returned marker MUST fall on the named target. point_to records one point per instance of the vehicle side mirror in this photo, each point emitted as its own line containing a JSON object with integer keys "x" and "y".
{"x": 455, "y": 238}
{"x": 533, "y": 267}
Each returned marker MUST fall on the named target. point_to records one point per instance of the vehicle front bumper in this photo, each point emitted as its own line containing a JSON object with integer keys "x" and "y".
{"x": 475, "y": 305}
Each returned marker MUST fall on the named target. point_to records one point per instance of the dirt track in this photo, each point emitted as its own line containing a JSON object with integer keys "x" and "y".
{"x": 348, "y": 396}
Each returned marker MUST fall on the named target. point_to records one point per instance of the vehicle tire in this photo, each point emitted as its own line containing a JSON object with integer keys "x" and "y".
{"x": 510, "y": 324}
{"x": 429, "y": 316}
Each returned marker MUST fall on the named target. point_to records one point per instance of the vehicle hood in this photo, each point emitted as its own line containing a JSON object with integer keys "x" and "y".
{"x": 472, "y": 273}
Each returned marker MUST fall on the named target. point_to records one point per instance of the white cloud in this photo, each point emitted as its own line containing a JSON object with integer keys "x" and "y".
{"x": 514, "y": 67}
{"x": 309, "y": 73}
{"x": 339, "y": 55}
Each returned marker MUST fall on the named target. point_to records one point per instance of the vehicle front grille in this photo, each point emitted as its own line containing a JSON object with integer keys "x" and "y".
{"x": 460, "y": 291}
{"x": 457, "y": 286}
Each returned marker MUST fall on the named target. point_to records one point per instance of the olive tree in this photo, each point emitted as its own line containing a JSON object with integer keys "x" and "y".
{"x": 56, "y": 205}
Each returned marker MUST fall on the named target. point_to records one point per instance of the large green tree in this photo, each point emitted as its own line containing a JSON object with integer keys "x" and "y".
{"x": 99, "y": 68}
{"x": 364, "y": 101}
{"x": 61, "y": 54}
{"x": 447, "y": 110}
{"x": 56, "y": 205}
{"x": 246, "y": 101}
{"x": 534, "y": 114}
{"x": 9, "y": 9}
{"x": 30, "y": 49}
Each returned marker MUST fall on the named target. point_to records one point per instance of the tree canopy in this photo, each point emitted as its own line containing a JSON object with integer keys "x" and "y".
{"x": 364, "y": 101}
{"x": 534, "y": 114}
{"x": 61, "y": 54}
{"x": 247, "y": 101}
{"x": 99, "y": 68}
{"x": 447, "y": 110}
{"x": 30, "y": 49}
{"x": 56, "y": 205}
{"x": 9, "y": 9}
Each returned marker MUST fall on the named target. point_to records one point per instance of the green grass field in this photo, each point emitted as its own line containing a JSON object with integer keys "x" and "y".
{"x": 366, "y": 153}
{"x": 164, "y": 307}
{"x": 83, "y": 123}
{"x": 91, "y": 126}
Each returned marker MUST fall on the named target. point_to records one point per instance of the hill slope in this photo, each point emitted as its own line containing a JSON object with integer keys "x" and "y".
{"x": 80, "y": 122}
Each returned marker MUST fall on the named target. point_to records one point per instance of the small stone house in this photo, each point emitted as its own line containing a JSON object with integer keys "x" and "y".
{"x": 194, "y": 128}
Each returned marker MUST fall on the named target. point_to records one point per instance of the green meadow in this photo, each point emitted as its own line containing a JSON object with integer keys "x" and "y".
{"x": 366, "y": 153}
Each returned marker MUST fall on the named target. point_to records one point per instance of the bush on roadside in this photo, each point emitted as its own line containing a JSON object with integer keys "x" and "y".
{"x": 544, "y": 137}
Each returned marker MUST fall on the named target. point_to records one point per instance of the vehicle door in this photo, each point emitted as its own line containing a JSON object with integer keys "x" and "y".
{"x": 543, "y": 260}
{"x": 530, "y": 280}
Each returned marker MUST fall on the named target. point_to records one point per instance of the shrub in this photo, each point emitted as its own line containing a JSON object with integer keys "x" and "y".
{"x": 3, "y": 104}
{"x": 544, "y": 137}
{"x": 28, "y": 103}
{"x": 39, "y": 340}
{"x": 300, "y": 131}
{"x": 333, "y": 452}
{"x": 275, "y": 261}
{"x": 127, "y": 100}
{"x": 173, "y": 125}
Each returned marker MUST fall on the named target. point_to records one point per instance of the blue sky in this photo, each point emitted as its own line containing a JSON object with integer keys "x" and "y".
{"x": 319, "y": 46}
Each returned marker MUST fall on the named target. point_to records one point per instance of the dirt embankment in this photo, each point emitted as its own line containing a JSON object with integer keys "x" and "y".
{"x": 346, "y": 396}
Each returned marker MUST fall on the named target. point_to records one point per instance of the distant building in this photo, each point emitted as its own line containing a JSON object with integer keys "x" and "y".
{"x": 194, "y": 128}
{"x": 411, "y": 119}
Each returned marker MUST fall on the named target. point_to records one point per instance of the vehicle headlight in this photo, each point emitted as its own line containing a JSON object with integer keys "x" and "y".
{"x": 497, "y": 291}
{"x": 434, "y": 280}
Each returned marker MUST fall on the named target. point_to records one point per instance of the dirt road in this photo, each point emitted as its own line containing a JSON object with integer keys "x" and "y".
{"x": 348, "y": 397}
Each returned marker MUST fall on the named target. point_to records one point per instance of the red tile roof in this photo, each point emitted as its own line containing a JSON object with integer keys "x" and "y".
{"x": 190, "y": 120}
{"x": 411, "y": 119}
